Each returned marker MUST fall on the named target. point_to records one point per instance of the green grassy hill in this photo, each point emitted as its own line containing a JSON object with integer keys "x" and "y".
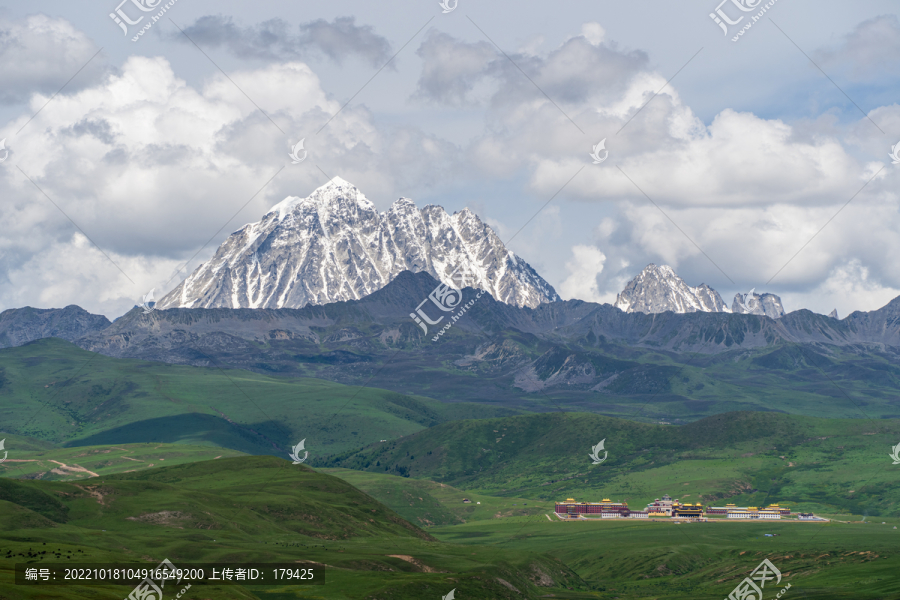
{"x": 250, "y": 509}
{"x": 829, "y": 465}
{"x": 56, "y": 392}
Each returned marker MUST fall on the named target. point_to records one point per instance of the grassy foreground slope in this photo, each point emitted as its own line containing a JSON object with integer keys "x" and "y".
{"x": 827, "y": 465}
{"x": 252, "y": 509}
{"x": 55, "y": 391}
{"x": 632, "y": 560}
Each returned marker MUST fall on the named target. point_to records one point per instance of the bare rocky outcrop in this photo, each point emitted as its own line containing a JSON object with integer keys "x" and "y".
{"x": 768, "y": 305}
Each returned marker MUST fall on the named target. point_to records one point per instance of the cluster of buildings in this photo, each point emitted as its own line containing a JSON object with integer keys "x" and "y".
{"x": 773, "y": 511}
{"x": 665, "y": 507}
{"x": 607, "y": 509}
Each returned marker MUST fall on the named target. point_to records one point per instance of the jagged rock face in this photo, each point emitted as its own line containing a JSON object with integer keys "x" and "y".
{"x": 833, "y": 314}
{"x": 758, "y": 304}
{"x": 21, "y": 325}
{"x": 658, "y": 289}
{"x": 334, "y": 246}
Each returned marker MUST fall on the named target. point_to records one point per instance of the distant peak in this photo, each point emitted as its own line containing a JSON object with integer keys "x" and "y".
{"x": 659, "y": 289}
{"x": 337, "y": 182}
{"x": 660, "y": 269}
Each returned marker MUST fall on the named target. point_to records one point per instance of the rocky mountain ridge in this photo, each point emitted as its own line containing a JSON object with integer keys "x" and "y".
{"x": 139, "y": 334}
{"x": 19, "y": 326}
{"x": 588, "y": 353}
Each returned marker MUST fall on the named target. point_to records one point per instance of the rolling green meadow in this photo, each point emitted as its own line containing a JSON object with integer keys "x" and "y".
{"x": 119, "y": 460}
{"x": 264, "y": 509}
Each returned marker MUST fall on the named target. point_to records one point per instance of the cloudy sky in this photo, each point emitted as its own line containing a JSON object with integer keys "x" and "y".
{"x": 757, "y": 163}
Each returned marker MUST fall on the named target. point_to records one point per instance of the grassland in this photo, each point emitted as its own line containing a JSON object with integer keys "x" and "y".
{"x": 53, "y": 391}
{"x": 113, "y": 460}
{"x": 662, "y": 561}
{"x": 263, "y": 509}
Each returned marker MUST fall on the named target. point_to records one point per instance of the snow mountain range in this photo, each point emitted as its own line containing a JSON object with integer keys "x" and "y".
{"x": 658, "y": 289}
{"x": 334, "y": 246}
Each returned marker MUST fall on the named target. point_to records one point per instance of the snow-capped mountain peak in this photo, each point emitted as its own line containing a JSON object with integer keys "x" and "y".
{"x": 334, "y": 245}
{"x": 658, "y": 289}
